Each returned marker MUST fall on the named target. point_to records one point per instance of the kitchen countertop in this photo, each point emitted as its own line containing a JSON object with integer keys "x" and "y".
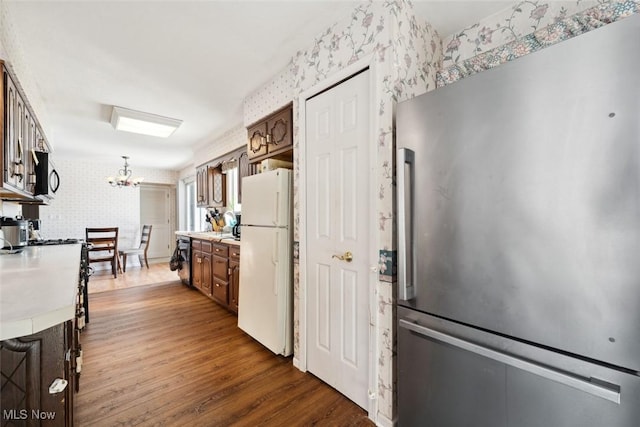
{"x": 212, "y": 236}
{"x": 38, "y": 289}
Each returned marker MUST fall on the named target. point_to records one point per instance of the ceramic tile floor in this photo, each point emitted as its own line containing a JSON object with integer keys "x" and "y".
{"x": 103, "y": 280}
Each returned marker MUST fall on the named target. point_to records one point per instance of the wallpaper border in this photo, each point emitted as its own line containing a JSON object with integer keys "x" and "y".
{"x": 561, "y": 30}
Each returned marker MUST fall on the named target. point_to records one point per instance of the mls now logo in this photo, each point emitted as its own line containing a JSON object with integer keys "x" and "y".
{"x": 23, "y": 414}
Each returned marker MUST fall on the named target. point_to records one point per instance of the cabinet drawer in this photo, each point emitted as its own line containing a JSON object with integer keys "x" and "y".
{"x": 220, "y": 291}
{"x": 206, "y": 246}
{"x": 196, "y": 245}
{"x": 220, "y": 266}
{"x": 220, "y": 249}
{"x": 234, "y": 252}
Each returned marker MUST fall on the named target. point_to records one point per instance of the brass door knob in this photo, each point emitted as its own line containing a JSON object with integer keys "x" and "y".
{"x": 347, "y": 256}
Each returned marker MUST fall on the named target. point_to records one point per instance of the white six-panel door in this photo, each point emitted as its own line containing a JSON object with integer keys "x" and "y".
{"x": 337, "y": 188}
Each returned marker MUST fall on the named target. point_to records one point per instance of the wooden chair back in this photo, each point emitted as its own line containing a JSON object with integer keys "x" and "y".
{"x": 103, "y": 245}
{"x": 145, "y": 237}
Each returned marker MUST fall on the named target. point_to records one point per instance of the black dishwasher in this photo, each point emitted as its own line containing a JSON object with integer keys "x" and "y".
{"x": 184, "y": 248}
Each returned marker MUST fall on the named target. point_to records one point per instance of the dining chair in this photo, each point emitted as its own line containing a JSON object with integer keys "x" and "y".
{"x": 103, "y": 246}
{"x": 141, "y": 251}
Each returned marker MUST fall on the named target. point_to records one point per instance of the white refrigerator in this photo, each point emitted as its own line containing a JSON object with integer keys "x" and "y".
{"x": 265, "y": 305}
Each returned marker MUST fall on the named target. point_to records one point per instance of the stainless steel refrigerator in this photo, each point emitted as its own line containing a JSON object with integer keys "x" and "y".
{"x": 519, "y": 241}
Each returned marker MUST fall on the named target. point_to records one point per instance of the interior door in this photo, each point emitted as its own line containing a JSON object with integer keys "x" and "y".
{"x": 338, "y": 172}
{"x": 156, "y": 207}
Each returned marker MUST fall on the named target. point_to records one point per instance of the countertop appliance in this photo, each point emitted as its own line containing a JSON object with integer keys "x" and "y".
{"x": 236, "y": 228}
{"x": 519, "y": 234}
{"x": 34, "y": 229}
{"x": 15, "y": 232}
{"x": 265, "y": 297}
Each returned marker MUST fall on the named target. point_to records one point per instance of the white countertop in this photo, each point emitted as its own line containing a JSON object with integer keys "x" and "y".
{"x": 212, "y": 236}
{"x": 38, "y": 289}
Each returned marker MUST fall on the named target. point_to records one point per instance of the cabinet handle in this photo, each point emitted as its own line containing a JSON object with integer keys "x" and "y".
{"x": 58, "y": 385}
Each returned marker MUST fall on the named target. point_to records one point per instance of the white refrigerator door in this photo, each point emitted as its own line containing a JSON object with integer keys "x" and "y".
{"x": 265, "y": 307}
{"x": 266, "y": 199}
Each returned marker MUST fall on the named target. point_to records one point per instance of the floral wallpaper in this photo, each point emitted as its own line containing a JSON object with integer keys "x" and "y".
{"x": 408, "y": 58}
{"x": 406, "y": 54}
{"x": 562, "y": 27}
{"x": 522, "y": 18}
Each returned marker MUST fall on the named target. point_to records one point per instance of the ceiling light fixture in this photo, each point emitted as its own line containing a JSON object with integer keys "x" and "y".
{"x": 144, "y": 123}
{"x": 124, "y": 177}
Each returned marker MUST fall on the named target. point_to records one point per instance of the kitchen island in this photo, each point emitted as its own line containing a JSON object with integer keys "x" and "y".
{"x": 39, "y": 334}
{"x": 38, "y": 289}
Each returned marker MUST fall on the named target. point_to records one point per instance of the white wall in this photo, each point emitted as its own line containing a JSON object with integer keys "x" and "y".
{"x": 85, "y": 199}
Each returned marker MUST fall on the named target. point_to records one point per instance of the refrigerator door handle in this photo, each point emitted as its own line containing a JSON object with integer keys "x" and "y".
{"x": 274, "y": 260}
{"x": 611, "y": 393}
{"x": 406, "y": 288}
{"x": 276, "y": 211}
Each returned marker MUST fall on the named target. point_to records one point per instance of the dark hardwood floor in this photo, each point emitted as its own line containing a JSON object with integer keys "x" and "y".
{"x": 167, "y": 355}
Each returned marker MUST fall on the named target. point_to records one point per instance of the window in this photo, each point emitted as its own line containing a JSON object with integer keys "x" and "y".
{"x": 232, "y": 190}
{"x": 190, "y": 205}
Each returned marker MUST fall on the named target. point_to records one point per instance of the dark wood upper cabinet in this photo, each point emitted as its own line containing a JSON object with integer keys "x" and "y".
{"x": 20, "y": 136}
{"x": 202, "y": 195}
{"x": 257, "y": 145}
{"x": 272, "y": 136}
{"x": 244, "y": 169}
{"x": 217, "y": 185}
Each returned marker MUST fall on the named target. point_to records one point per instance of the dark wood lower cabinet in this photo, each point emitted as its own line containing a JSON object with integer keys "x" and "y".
{"x": 29, "y": 365}
{"x": 234, "y": 278}
{"x": 216, "y": 271}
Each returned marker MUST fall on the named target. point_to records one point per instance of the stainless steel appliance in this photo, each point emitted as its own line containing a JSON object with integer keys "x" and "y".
{"x": 15, "y": 232}
{"x": 519, "y": 234}
{"x": 47, "y": 178}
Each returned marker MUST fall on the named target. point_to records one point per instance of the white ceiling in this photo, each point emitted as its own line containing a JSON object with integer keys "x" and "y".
{"x": 191, "y": 60}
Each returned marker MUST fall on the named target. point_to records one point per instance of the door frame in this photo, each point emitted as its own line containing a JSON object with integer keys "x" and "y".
{"x": 300, "y": 358}
{"x": 173, "y": 209}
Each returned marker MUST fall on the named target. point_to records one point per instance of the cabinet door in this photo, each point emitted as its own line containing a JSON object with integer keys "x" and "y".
{"x": 234, "y": 284}
{"x": 30, "y": 147}
{"x": 29, "y": 365}
{"x": 13, "y": 166}
{"x": 206, "y": 274}
{"x": 196, "y": 269}
{"x": 279, "y": 136}
{"x": 217, "y": 187}
{"x": 243, "y": 170}
{"x": 257, "y": 140}
{"x": 201, "y": 187}
{"x": 19, "y": 144}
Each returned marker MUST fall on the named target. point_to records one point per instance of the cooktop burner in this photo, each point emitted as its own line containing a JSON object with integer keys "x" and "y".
{"x": 53, "y": 242}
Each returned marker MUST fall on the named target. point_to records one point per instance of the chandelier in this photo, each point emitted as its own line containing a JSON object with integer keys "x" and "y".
{"x": 124, "y": 177}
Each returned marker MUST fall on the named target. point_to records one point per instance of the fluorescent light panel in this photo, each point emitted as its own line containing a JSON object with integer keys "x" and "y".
{"x": 144, "y": 123}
